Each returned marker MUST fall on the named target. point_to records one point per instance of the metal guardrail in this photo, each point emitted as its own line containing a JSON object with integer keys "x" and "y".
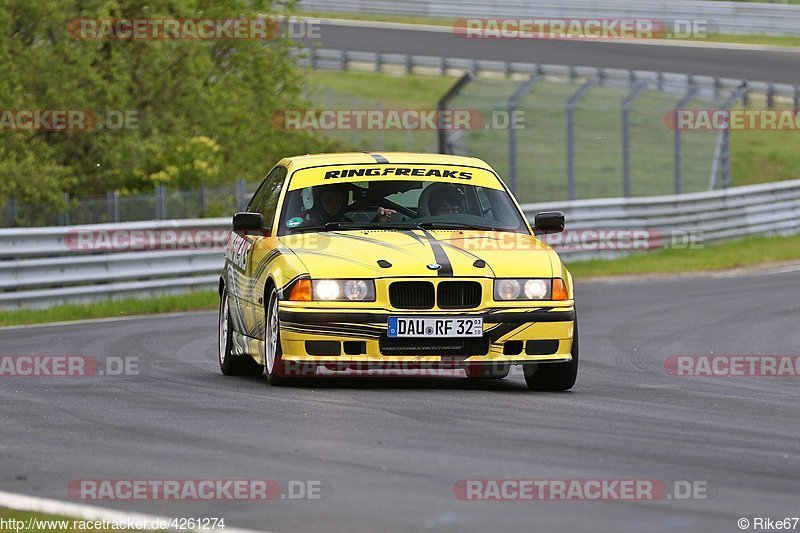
{"x": 41, "y": 267}
{"x": 722, "y": 17}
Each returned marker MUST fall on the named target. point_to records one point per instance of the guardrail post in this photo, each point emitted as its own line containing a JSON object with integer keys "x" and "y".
{"x": 442, "y": 146}
{"x": 513, "y": 102}
{"x": 11, "y": 212}
{"x": 241, "y": 200}
{"x": 771, "y": 95}
{"x": 112, "y": 203}
{"x": 636, "y": 91}
{"x": 443, "y": 67}
{"x": 345, "y": 60}
{"x": 690, "y": 93}
{"x": 378, "y": 61}
{"x": 160, "y": 203}
{"x": 63, "y": 217}
{"x": 409, "y": 64}
{"x": 571, "y": 103}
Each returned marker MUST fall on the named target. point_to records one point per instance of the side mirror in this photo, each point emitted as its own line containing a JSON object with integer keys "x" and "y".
{"x": 549, "y": 222}
{"x": 249, "y": 224}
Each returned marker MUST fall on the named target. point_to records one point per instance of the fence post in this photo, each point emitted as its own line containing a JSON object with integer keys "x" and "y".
{"x": 11, "y": 212}
{"x": 690, "y": 93}
{"x": 240, "y": 195}
{"x": 63, "y": 217}
{"x": 636, "y": 91}
{"x": 345, "y": 60}
{"x": 571, "y": 103}
{"x": 112, "y": 203}
{"x": 513, "y": 102}
{"x": 442, "y": 145}
{"x": 796, "y": 100}
{"x": 203, "y": 200}
{"x": 722, "y": 154}
{"x": 160, "y": 203}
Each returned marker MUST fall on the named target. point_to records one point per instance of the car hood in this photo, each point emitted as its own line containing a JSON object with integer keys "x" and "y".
{"x": 359, "y": 254}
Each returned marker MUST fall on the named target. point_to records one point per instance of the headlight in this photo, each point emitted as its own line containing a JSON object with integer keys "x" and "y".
{"x": 536, "y": 289}
{"x": 354, "y": 290}
{"x": 529, "y": 289}
{"x": 506, "y": 289}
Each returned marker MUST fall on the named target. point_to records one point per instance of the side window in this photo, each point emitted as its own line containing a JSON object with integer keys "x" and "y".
{"x": 265, "y": 201}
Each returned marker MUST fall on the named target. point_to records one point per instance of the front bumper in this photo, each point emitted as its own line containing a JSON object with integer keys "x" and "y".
{"x": 357, "y": 337}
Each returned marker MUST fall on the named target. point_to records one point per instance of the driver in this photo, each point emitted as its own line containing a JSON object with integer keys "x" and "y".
{"x": 330, "y": 204}
{"x": 447, "y": 200}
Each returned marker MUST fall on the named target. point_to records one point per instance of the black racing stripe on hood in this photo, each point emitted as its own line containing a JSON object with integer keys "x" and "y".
{"x": 378, "y": 242}
{"x": 470, "y": 255}
{"x": 379, "y": 158}
{"x": 440, "y": 256}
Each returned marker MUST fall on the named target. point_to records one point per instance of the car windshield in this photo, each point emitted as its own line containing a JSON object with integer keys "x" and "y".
{"x": 399, "y": 204}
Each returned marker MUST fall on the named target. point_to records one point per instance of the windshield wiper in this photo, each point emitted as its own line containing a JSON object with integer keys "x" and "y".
{"x": 454, "y": 225}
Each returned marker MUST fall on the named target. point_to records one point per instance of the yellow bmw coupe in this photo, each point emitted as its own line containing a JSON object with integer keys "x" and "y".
{"x": 394, "y": 260}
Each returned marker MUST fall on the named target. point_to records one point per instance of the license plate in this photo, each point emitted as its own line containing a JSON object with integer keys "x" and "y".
{"x": 401, "y": 326}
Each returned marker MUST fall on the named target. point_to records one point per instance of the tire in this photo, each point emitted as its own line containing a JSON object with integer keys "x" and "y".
{"x": 487, "y": 370}
{"x": 231, "y": 364}
{"x": 276, "y": 368}
{"x": 554, "y": 376}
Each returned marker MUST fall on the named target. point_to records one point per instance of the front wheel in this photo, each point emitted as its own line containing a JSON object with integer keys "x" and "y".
{"x": 554, "y": 376}
{"x": 231, "y": 364}
{"x": 279, "y": 372}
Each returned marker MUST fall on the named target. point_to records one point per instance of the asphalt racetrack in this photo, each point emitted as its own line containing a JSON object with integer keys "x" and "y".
{"x": 707, "y": 59}
{"x": 389, "y": 450}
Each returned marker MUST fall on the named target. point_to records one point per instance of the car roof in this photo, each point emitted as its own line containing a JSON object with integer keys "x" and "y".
{"x": 356, "y": 158}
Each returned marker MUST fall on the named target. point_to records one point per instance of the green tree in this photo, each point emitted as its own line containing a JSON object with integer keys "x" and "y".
{"x": 203, "y": 108}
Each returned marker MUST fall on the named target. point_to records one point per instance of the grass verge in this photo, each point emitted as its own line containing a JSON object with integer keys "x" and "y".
{"x": 748, "y": 252}
{"x": 196, "y": 301}
{"x": 752, "y": 251}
